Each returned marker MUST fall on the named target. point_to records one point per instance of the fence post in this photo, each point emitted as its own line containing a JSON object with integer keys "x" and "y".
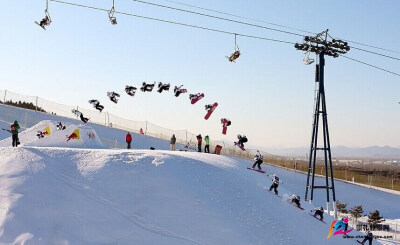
{"x": 36, "y": 102}
{"x": 26, "y": 116}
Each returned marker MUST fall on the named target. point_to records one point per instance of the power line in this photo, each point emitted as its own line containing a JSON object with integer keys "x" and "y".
{"x": 238, "y": 16}
{"x": 177, "y": 23}
{"x": 362, "y": 62}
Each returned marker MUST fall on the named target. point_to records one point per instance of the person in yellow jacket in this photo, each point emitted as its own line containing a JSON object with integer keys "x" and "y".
{"x": 207, "y": 147}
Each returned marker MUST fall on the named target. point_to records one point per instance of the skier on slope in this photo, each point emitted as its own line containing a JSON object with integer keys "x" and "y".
{"x": 296, "y": 200}
{"x": 80, "y": 115}
{"x": 368, "y": 238}
{"x": 130, "y": 90}
{"x": 162, "y": 87}
{"x": 199, "y": 141}
{"x": 207, "y": 146}
{"x": 319, "y": 211}
{"x": 113, "y": 96}
{"x": 275, "y": 184}
{"x": 60, "y": 126}
{"x": 258, "y": 160}
{"x": 14, "y": 133}
{"x": 96, "y": 105}
{"x": 241, "y": 140}
{"x": 128, "y": 139}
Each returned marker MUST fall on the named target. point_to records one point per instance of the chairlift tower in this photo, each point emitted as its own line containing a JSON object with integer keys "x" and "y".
{"x": 320, "y": 45}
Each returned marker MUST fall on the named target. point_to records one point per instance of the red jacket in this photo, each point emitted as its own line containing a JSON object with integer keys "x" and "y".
{"x": 128, "y": 138}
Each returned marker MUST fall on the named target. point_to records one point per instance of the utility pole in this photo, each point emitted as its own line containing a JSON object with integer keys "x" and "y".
{"x": 320, "y": 45}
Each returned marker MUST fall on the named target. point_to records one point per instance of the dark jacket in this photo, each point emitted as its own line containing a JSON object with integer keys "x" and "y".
{"x": 173, "y": 139}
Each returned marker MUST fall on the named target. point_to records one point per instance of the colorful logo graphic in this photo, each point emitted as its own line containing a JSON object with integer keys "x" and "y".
{"x": 339, "y": 227}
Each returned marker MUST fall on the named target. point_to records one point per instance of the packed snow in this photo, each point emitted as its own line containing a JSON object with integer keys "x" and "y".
{"x": 55, "y": 191}
{"x": 97, "y": 196}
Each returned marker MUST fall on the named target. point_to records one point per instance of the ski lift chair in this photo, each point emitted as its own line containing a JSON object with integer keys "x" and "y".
{"x": 113, "y": 20}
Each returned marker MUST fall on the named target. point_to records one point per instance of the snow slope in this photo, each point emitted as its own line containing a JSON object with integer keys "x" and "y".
{"x": 82, "y": 196}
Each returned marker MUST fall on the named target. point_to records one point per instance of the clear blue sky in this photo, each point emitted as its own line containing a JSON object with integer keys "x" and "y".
{"x": 267, "y": 94}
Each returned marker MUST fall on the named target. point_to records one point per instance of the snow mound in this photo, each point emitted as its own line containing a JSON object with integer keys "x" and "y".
{"x": 29, "y": 135}
{"x": 72, "y": 137}
{"x": 97, "y": 196}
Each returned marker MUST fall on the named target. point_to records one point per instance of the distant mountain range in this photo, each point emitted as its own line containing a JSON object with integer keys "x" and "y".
{"x": 379, "y": 152}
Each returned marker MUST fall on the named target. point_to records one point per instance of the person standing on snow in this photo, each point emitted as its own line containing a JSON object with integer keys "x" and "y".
{"x": 207, "y": 147}
{"x": 259, "y": 159}
{"x": 14, "y": 133}
{"x": 172, "y": 142}
{"x": 128, "y": 140}
{"x": 199, "y": 141}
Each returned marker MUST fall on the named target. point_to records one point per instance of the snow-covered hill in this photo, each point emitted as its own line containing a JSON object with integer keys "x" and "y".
{"x": 95, "y": 196}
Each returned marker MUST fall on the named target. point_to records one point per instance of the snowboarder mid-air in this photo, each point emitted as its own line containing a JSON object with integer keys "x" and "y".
{"x": 147, "y": 87}
{"x": 241, "y": 140}
{"x": 113, "y": 96}
{"x": 130, "y": 90}
{"x": 319, "y": 212}
{"x": 179, "y": 90}
{"x": 258, "y": 160}
{"x": 80, "y": 115}
{"x": 60, "y": 126}
{"x": 162, "y": 87}
{"x": 275, "y": 184}
{"x": 296, "y": 200}
{"x": 96, "y": 105}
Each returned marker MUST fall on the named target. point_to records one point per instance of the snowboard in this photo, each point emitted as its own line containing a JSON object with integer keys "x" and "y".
{"x": 294, "y": 204}
{"x": 199, "y": 97}
{"x": 44, "y": 28}
{"x": 211, "y": 110}
{"x": 224, "y": 127}
{"x": 258, "y": 170}
{"x": 272, "y": 192}
{"x": 317, "y": 218}
{"x": 239, "y": 146}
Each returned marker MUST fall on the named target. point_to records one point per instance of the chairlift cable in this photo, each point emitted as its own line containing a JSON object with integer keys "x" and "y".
{"x": 220, "y": 18}
{"x": 288, "y": 27}
{"x": 362, "y": 62}
{"x": 210, "y": 29}
{"x": 387, "y": 56}
{"x": 176, "y": 23}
